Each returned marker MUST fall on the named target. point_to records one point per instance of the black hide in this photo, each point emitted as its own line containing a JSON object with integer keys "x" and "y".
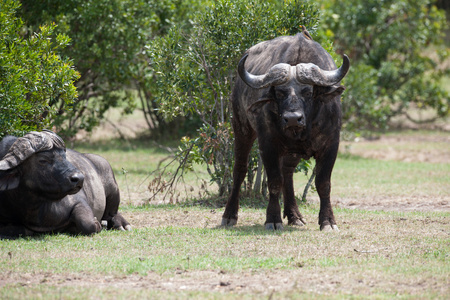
{"x": 58, "y": 191}
{"x": 291, "y": 121}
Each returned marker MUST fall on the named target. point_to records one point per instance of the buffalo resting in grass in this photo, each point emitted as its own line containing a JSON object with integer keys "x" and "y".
{"x": 288, "y": 95}
{"x": 46, "y": 188}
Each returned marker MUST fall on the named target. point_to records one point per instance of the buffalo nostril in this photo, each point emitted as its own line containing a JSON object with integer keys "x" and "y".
{"x": 293, "y": 119}
{"x": 77, "y": 178}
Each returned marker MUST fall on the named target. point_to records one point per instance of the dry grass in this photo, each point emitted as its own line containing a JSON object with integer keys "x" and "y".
{"x": 180, "y": 249}
{"x": 394, "y": 239}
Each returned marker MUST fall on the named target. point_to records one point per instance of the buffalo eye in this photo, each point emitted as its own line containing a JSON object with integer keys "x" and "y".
{"x": 44, "y": 161}
{"x": 307, "y": 93}
{"x": 279, "y": 94}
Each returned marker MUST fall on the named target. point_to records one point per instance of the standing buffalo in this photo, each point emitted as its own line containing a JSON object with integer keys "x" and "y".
{"x": 44, "y": 188}
{"x": 293, "y": 108}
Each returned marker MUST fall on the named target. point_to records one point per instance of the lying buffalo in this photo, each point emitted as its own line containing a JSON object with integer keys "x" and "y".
{"x": 46, "y": 188}
{"x": 288, "y": 96}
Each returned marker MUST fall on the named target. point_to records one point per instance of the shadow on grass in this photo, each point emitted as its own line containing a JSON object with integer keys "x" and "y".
{"x": 216, "y": 202}
{"x": 245, "y": 201}
{"x": 258, "y": 229}
{"x": 39, "y": 236}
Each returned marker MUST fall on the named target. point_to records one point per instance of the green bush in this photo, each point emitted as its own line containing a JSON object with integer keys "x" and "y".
{"x": 397, "y": 49}
{"x": 108, "y": 42}
{"x": 33, "y": 77}
{"x": 195, "y": 72}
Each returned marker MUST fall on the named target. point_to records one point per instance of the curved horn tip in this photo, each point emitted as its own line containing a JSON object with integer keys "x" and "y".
{"x": 345, "y": 59}
{"x": 242, "y": 60}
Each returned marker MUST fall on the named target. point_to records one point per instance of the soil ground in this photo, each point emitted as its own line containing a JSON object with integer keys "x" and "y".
{"x": 421, "y": 146}
{"x": 407, "y": 148}
{"x": 259, "y": 283}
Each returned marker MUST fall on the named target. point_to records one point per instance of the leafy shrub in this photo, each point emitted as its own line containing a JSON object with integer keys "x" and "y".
{"x": 396, "y": 48}
{"x": 33, "y": 77}
{"x": 108, "y": 40}
{"x": 195, "y": 72}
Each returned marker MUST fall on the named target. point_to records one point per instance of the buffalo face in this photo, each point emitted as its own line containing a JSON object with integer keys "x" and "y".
{"x": 292, "y": 104}
{"x": 293, "y": 90}
{"x": 37, "y": 163}
{"x": 51, "y": 175}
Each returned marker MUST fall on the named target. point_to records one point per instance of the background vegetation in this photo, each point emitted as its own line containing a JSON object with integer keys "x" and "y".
{"x": 196, "y": 74}
{"x": 108, "y": 49}
{"x": 398, "y": 51}
{"x": 33, "y": 76}
{"x": 175, "y": 60}
{"x": 177, "y": 251}
{"x": 64, "y": 63}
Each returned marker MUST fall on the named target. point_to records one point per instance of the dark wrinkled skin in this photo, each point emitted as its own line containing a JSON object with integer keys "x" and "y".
{"x": 282, "y": 146}
{"x": 58, "y": 192}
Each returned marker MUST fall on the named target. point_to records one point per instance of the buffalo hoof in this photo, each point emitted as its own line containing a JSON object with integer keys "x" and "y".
{"x": 297, "y": 222}
{"x": 127, "y": 228}
{"x": 329, "y": 228}
{"x": 98, "y": 225}
{"x": 228, "y": 222}
{"x": 272, "y": 226}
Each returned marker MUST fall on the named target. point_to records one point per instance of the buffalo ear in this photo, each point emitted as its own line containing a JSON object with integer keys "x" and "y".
{"x": 267, "y": 97}
{"x": 327, "y": 93}
{"x": 9, "y": 180}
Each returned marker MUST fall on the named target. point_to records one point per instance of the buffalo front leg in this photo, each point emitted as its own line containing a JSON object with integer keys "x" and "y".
{"x": 242, "y": 148}
{"x": 84, "y": 219}
{"x": 324, "y": 167}
{"x": 290, "y": 204}
{"x": 275, "y": 183}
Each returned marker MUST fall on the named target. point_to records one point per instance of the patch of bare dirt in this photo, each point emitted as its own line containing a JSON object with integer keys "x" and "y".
{"x": 262, "y": 283}
{"x": 390, "y": 203}
{"x": 408, "y": 148}
{"x": 431, "y": 147}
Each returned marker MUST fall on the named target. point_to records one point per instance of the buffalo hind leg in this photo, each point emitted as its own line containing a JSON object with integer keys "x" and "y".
{"x": 324, "y": 167}
{"x": 111, "y": 216}
{"x": 290, "y": 204}
{"x": 242, "y": 147}
{"x": 118, "y": 222}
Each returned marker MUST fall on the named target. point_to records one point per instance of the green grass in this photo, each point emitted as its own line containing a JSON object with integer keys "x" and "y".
{"x": 178, "y": 251}
{"x": 392, "y": 251}
{"x": 358, "y": 177}
{"x": 353, "y": 176}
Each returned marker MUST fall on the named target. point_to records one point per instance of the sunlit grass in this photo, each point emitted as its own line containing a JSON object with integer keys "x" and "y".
{"x": 376, "y": 253}
{"x": 387, "y": 249}
{"x": 135, "y": 166}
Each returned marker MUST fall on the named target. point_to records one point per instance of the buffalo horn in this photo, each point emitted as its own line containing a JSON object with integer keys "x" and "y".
{"x": 305, "y": 73}
{"x": 29, "y": 144}
{"x": 278, "y": 74}
{"x": 312, "y": 74}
